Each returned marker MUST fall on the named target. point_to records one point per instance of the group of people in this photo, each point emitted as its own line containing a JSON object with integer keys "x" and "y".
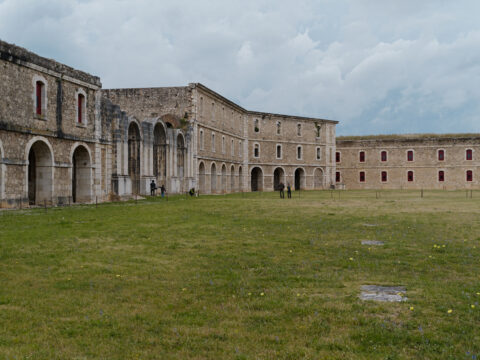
{"x": 281, "y": 187}
{"x": 153, "y": 189}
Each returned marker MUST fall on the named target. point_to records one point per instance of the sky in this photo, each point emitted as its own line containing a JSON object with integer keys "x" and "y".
{"x": 376, "y": 66}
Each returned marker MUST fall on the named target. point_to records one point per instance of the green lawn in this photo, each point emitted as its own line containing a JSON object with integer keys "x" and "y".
{"x": 243, "y": 277}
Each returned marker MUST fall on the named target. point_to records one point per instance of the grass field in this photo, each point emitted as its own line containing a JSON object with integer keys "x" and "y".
{"x": 243, "y": 277}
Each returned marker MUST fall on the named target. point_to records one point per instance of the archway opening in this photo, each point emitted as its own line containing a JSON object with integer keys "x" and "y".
{"x": 213, "y": 179}
{"x": 40, "y": 174}
{"x": 240, "y": 179}
{"x": 81, "y": 175}
{"x": 224, "y": 179}
{"x": 257, "y": 179}
{"x": 134, "y": 156}
{"x": 159, "y": 154}
{"x": 181, "y": 161}
{"x": 201, "y": 177}
{"x": 299, "y": 179}
{"x": 278, "y": 177}
{"x": 232, "y": 178}
{"x": 318, "y": 178}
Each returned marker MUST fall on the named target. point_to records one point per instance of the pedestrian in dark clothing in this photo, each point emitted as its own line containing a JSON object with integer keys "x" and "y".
{"x": 281, "y": 187}
{"x": 289, "y": 191}
{"x": 192, "y": 191}
{"x": 153, "y": 187}
{"x": 163, "y": 190}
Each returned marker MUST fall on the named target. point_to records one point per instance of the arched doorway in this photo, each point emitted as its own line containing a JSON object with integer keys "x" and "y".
{"x": 40, "y": 173}
{"x": 160, "y": 154}
{"x": 134, "y": 156}
{"x": 181, "y": 160}
{"x": 201, "y": 177}
{"x": 81, "y": 175}
{"x": 232, "y": 178}
{"x": 278, "y": 177}
{"x": 240, "y": 179}
{"x": 318, "y": 178}
{"x": 213, "y": 179}
{"x": 257, "y": 179}
{"x": 299, "y": 179}
{"x": 224, "y": 179}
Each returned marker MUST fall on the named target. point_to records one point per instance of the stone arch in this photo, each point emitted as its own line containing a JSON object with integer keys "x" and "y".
{"x": 81, "y": 174}
{"x": 201, "y": 177}
{"x": 180, "y": 155}
{"x": 40, "y": 168}
{"x": 232, "y": 178}
{"x": 160, "y": 153}
{"x": 278, "y": 177}
{"x": 318, "y": 178}
{"x": 172, "y": 121}
{"x": 224, "y": 178}
{"x": 213, "y": 178}
{"x": 299, "y": 179}
{"x": 256, "y": 179}
{"x": 134, "y": 142}
{"x": 240, "y": 178}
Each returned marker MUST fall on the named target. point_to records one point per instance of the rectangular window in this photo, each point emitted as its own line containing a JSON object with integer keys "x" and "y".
{"x": 201, "y": 140}
{"x": 223, "y": 145}
{"x": 319, "y": 153}
{"x": 256, "y": 150}
{"x": 240, "y": 149}
{"x": 469, "y": 175}
{"x": 362, "y": 176}
{"x": 81, "y": 99}
{"x": 337, "y": 176}
{"x": 469, "y": 154}
{"x": 299, "y": 153}
{"x": 39, "y": 91}
{"x": 213, "y": 142}
{"x": 233, "y": 147}
{"x": 299, "y": 129}
{"x": 384, "y": 176}
{"x": 441, "y": 155}
{"x": 337, "y": 157}
{"x": 279, "y": 151}
{"x": 441, "y": 176}
{"x": 410, "y": 176}
{"x": 410, "y": 155}
{"x": 362, "y": 156}
{"x": 383, "y": 156}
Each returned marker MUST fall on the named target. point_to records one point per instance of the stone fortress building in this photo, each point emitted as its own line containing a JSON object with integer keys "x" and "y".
{"x": 64, "y": 139}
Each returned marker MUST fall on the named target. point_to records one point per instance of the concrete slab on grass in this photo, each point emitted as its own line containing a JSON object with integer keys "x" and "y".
{"x": 383, "y": 293}
{"x": 372, "y": 242}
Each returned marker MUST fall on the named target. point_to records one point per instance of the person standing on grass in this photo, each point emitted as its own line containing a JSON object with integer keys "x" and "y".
{"x": 281, "y": 187}
{"x": 153, "y": 187}
{"x": 289, "y": 191}
{"x": 163, "y": 190}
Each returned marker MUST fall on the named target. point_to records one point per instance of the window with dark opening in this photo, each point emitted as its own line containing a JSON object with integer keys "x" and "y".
{"x": 299, "y": 152}
{"x": 337, "y": 157}
{"x": 469, "y": 175}
{"x": 81, "y": 104}
{"x": 441, "y": 176}
{"x": 383, "y": 156}
{"x": 362, "y": 156}
{"x": 337, "y": 176}
{"x": 362, "y": 176}
{"x": 384, "y": 176}
{"x": 410, "y": 176}
{"x": 279, "y": 151}
{"x": 441, "y": 155}
{"x": 40, "y": 89}
{"x": 410, "y": 155}
{"x": 469, "y": 154}
{"x": 256, "y": 151}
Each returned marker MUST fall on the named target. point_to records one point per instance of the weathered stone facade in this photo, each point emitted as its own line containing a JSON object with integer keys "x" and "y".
{"x": 408, "y": 162}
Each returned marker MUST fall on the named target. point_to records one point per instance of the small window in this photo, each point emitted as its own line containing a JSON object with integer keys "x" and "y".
{"x": 202, "y": 144}
{"x": 256, "y": 125}
{"x": 410, "y": 176}
{"x": 232, "y": 147}
{"x": 362, "y": 156}
{"x": 337, "y": 176}
{"x": 319, "y": 153}
{"x": 337, "y": 157}
{"x": 410, "y": 155}
{"x": 441, "y": 176}
{"x": 299, "y": 129}
{"x": 279, "y": 128}
{"x": 256, "y": 150}
{"x": 469, "y": 175}
{"x": 383, "y": 156}
{"x": 441, "y": 155}
{"x": 362, "y": 176}
{"x": 240, "y": 149}
{"x": 40, "y": 98}
{"x": 81, "y": 109}
{"x": 469, "y": 154}
{"x": 299, "y": 152}
{"x": 213, "y": 142}
{"x": 279, "y": 151}
{"x": 223, "y": 145}
{"x": 384, "y": 176}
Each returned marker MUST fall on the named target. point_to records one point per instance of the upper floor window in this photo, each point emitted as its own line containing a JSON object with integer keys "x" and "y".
{"x": 410, "y": 176}
{"x": 337, "y": 176}
{"x": 202, "y": 144}
{"x": 40, "y": 96}
{"x": 299, "y": 153}
{"x": 441, "y": 176}
{"x": 410, "y": 155}
{"x": 337, "y": 157}
{"x": 256, "y": 150}
{"x": 362, "y": 156}
{"x": 469, "y": 154}
{"x": 213, "y": 111}
{"x": 279, "y": 127}
{"x": 279, "y": 151}
{"x": 469, "y": 175}
{"x": 299, "y": 129}
{"x": 384, "y": 176}
{"x": 200, "y": 110}
{"x": 233, "y": 147}
{"x": 240, "y": 149}
{"x": 319, "y": 153}
{"x": 81, "y": 108}
{"x": 362, "y": 176}
{"x": 383, "y": 156}
{"x": 256, "y": 125}
{"x": 213, "y": 142}
{"x": 441, "y": 155}
{"x": 223, "y": 145}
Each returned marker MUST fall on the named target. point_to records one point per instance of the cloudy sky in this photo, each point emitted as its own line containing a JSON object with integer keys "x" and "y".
{"x": 377, "y": 66}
